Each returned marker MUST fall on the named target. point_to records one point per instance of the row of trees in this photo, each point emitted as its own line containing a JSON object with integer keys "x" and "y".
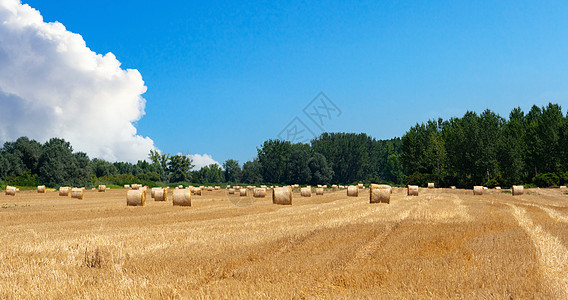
{"x": 489, "y": 149}
{"x": 474, "y": 149}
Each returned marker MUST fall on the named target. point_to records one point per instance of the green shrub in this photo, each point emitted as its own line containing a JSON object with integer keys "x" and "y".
{"x": 546, "y": 180}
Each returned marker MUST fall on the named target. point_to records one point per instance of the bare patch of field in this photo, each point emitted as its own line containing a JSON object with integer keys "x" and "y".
{"x": 440, "y": 244}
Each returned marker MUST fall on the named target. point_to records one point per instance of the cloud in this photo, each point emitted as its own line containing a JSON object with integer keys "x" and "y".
{"x": 200, "y": 161}
{"x": 53, "y": 85}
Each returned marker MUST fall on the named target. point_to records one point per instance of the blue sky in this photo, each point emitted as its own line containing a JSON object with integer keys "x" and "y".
{"x": 224, "y": 76}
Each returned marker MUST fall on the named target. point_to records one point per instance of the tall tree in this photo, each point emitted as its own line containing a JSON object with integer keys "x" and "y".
{"x": 233, "y": 172}
{"x": 179, "y": 166}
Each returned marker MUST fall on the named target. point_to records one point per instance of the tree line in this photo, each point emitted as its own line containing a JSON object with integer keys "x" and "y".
{"x": 475, "y": 149}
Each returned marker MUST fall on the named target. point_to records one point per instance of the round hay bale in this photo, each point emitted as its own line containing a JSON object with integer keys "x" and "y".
{"x": 334, "y": 187}
{"x": 282, "y": 195}
{"x": 197, "y": 191}
{"x": 380, "y": 193}
{"x": 41, "y": 189}
{"x": 319, "y": 191}
{"x": 562, "y": 186}
{"x": 518, "y": 190}
{"x": 153, "y": 191}
{"x": 217, "y": 188}
{"x": 182, "y": 198}
{"x": 242, "y": 192}
{"x": 485, "y": 188}
{"x": 361, "y": 186}
{"x": 353, "y": 191}
{"x": 497, "y": 187}
{"x": 306, "y": 191}
{"x": 180, "y": 186}
{"x": 77, "y": 193}
{"x": 412, "y": 190}
{"x": 259, "y": 192}
{"x": 11, "y": 190}
{"x": 453, "y": 187}
{"x": 478, "y": 190}
{"x": 430, "y": 185}
{"x": 135, "y": 198}
{"x": 102, "y": 188}
{"x": 162, "y": 194}
{"x": 209, "y": 188}
{"x": 127, "y": 186}
{"x": 64, "y": 191}
{"x": 231, "y": 191}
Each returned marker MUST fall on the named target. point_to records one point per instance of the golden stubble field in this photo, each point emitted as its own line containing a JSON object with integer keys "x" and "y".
{"x": 441, "y": 244}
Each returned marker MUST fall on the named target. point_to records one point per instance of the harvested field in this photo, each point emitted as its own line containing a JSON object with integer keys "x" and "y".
{"x": 441, "y": 244}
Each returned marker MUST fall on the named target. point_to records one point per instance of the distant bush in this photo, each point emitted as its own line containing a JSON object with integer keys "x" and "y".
{"x": 546, "y": 180}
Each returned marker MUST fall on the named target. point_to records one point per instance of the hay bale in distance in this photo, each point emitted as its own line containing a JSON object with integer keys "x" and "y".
{"x": 562, "y": 186}
{"x": 361, "y": 186}
{"x": 181, "y": 198}
{"x": 41, "y": 189}
{"x": 282, "y": 195}
{"x": 102, "y": 188}
{"x": 243, "y": 192}
{"x": 231, "y": 191}
{"x": 453, "y": 187}
{"x": 306, "y": 191}
{"x": 478, "y": 190}
{"x": 135, "y": 198}
{"x": 412, "y": 190}
{"x": 497, "y": 187}
{"x": 319, "y": 191}
{"x": 77, "y": 193}
{"x": 197, "y": 191}
{"x": 217, "y": 187}
{"x": 127, "y": 186}
{"x": 379, "y": 193}
{"x": 518, "y": 190}
{"x": 161, "y": 194}
{"x": 353, "y": 191}
{"x": 153, "y": 191}
{"x": 11, "y": 190}
{"x": 430, "y": 185}
{"x": 259, "y": 192}
{"x": 64, "y": 191}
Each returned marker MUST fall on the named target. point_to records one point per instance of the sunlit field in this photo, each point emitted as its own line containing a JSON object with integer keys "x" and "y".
{"x": 441, "y": 244}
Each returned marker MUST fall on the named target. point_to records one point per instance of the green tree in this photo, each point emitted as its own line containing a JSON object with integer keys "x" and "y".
{"x": 298, "y": 169}
{"x": 321, "y": 172}
{"x": 233, "y": 172}
{"x": 252, "y": 172}
{"x": 59, "y": 166}
{"x": 179, "y": 166}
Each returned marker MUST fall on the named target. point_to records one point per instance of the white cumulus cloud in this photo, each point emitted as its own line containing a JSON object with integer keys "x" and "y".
{"x": 200, "y": 161}
{"x": 53, "y": 85}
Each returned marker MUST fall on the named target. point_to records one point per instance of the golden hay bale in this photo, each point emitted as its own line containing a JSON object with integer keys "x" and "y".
{"x": 217, "y": 187}
{"x": 182, "y": 198}
{"x": 209, "y": 188}
{"x": 485, "y": 188}
{"x": 453, "y": 187}
{"x": 324, "y": 186}
{"x": 127, "y": 186}
{"x": 497, "y": 187}
{"x": 64, "y": 191}
{"x": 197, "y": 191}
{"x": 242, "y": 192}
{"x": 263, "y": 186}
{"x": 180, "y": 186}
{"x": 102, "y": 188}
{"x": 153, "y": 191}
{"x": 361, "y": 186}
{"x": 562, "y": 186}
{"x": 379, "y": 193}
{"x": 306, "y": 191}
{"x": 319, "y": 191}
{"x": 41, "y": 189}
{"x": 282, "y": 195}
{"x": 77, "y": 193}
{"x": 231, "y": 191}
{"x": 430, "y": 185}
{"x": 478, "y": 190}
{"x": 353, "y": 191}
{"x": 334, "y": 186}
{"x": 11, "y": 190}
{"x": 412, "y": 190}
{"x": 135, "y": 198}
{"x": 259, "y": 192}
{"x": 518, "y": 190}
{"x": 161, "y": 194}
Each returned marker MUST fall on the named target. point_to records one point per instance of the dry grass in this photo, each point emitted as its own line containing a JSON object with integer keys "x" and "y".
{"x": 440, "y": 244}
